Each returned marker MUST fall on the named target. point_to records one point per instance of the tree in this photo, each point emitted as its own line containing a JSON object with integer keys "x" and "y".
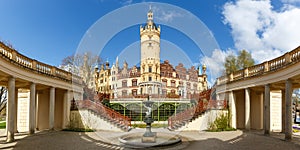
{"x": 81, "y": 65}
{"x": 234, "y": 63}
{"x": 230, "y": 64}
{"x": 244, "y": 59}
{"x": 3, "y": 98}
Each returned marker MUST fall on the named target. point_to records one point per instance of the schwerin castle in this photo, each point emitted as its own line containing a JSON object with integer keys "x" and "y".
{"x": 160, "y": 80}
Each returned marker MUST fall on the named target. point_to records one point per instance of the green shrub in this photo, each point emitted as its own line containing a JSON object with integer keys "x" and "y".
{"x": 2, "y": 125}
{"x": 221, "y": 124}
{"x": 78, "y": 130}
{"x": 155, "y": 125}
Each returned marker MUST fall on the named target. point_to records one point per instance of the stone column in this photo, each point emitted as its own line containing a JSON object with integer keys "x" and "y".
{"x": 51, "y": 108}
{"x": 37, "y": 111}
{"x": 247, "y": 109}
{"x": 232, "y": 107}
{"x": 267, "y": 110}
{"x": 288, "y": 110}
{"x": 10, "y": 122}
{"x": 283, "y": 111}
{"x": 66, "y": 109}
{"x": 16, "y": 111}
{"x": 32, "y": 109}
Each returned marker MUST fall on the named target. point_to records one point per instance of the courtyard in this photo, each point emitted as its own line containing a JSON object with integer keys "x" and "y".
{"x": 191, "y": 140}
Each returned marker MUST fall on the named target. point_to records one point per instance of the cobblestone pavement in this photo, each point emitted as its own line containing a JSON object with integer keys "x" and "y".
{"x": 62, "y": 140}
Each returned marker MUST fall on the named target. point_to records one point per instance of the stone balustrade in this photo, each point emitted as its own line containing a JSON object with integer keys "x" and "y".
{"x": 278, "y": 63}
{"x": 256, "y": 70}
{"x": 181, "y": 118}
{"x": 20, "y": 60}
{"x": 237, "y": 75}
{"x": 104, "y": 111}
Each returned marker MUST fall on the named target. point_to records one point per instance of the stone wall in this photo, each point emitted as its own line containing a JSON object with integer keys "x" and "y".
{"x": 87, "y": 119}
{"x": 203, "y": 122}
{"x": 75, "y": 120}
{"x": 23, "y": 110}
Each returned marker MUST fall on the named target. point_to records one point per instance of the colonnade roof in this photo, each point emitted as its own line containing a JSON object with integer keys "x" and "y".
{"x": 27, "y": 70}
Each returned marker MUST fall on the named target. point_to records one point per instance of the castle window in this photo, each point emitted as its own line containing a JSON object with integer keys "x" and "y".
{"x": 164, "y": 92}
{"x": 124, "y": 83}
{"x": 150, "y": 78}
{"x": 134, "y": 82}
{"x": 172, "y": 91}
{"x": 150, "y": 45}
{"x": 150, "y": 69}
{"x": 188, "y": 85}
{"x": 134, "y": 92}
{"x": 124, "y": 92}
{"x": 173, "y": 83}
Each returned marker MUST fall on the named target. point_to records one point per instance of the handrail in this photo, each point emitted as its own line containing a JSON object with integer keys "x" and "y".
{"x": 198, "y": 109}
{"x": 280, "y": 62}
{"x": 104, "y": 111}
{"x": 194, "y": 111}
{"x": 204, "y": 104}
{"x": 20, "y": 60}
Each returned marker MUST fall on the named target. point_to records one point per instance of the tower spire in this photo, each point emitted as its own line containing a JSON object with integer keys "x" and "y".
{"x": 150, "y": 14}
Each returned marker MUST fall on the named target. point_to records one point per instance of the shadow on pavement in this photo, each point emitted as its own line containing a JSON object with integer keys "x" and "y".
{"x": 54, "y": 140}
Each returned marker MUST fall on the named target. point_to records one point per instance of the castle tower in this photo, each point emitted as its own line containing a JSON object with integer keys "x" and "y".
{"x": 150, "y": 56}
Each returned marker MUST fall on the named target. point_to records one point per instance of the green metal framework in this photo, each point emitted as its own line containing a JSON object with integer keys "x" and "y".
{"x": 161, "y": 111}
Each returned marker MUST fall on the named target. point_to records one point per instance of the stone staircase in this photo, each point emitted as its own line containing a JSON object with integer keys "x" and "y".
{"x": 193, "y": 114}
{"x": 100, "y": 117}
{"x": 205, "y": 103}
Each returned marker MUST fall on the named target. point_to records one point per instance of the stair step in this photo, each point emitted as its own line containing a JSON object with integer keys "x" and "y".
{"x": 110, "y": 120}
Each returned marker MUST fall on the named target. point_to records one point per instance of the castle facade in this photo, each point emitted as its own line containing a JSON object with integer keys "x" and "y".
{"x": 153, "y": 77}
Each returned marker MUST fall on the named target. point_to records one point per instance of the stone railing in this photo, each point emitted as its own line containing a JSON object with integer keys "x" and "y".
{"x": 104, "y": 111}
{"x": 280, "y": 62}
{"x": 179, "y": 119}
{"x": 20, "y": 60}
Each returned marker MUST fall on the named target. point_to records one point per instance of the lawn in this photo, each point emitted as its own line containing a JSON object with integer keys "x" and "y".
{"x": 2, "y": 125}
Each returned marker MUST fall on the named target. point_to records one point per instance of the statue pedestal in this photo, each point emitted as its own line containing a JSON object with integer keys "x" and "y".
{"x": 149, "y": 139}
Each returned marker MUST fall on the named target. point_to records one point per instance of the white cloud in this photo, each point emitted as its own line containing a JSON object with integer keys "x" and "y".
{"x": 215, "y": 63}
{"x": 165, "y": 15}
{"x": 265, "y": 33}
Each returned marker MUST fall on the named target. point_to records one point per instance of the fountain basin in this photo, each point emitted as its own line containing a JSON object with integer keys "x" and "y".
{"x": 134, "y": 140}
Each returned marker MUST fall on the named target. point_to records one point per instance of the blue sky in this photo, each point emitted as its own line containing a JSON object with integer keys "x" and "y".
{"x": 48, "y": 31}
